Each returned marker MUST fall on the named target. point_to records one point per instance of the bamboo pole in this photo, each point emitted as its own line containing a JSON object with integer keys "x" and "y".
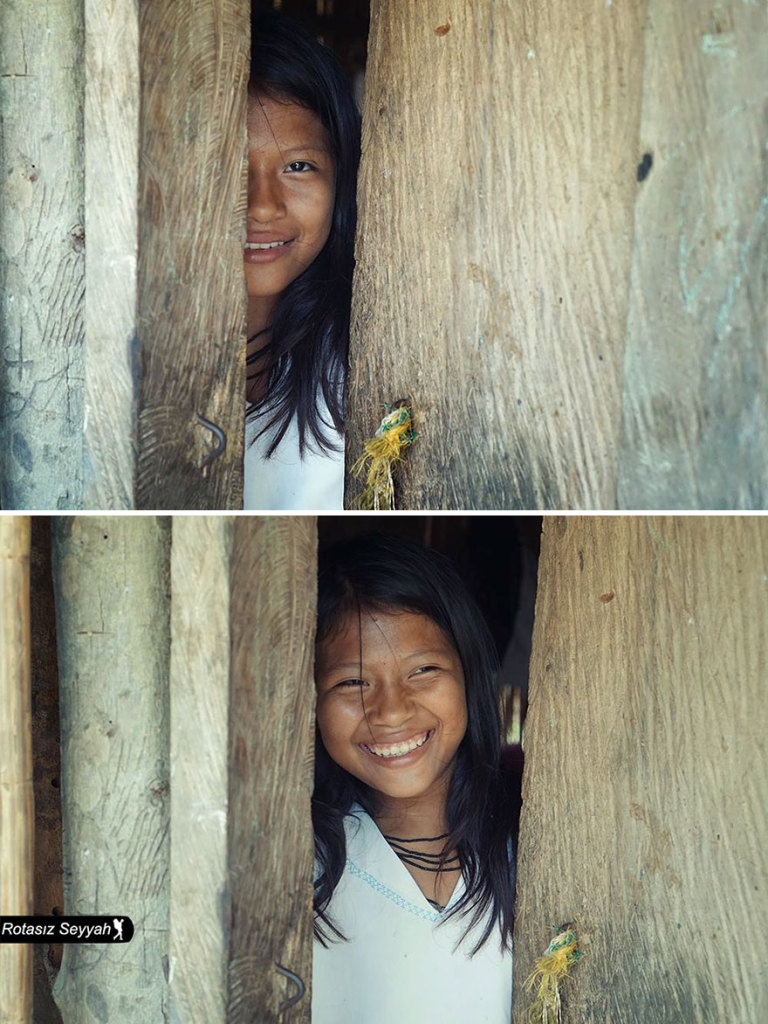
{"x": 16, "y": 794}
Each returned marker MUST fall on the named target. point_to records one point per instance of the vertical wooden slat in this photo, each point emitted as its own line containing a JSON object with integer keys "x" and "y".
{"x": 41, "y": 254}
{"x": 112, "y": 158}
{"x": 16, "y": 794}
{"x": 496, "y": 194}
{"x": 645, "y": 789}
{"x": 190, "y": 357}
{"x": 271, "y": 764}
{"x": 200, "y": 651}
{"x": 111, "y": 578}
{"x": 696, "y": 386}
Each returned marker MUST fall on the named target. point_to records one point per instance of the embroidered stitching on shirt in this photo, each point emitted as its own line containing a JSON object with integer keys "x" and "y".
{"x": 400, "y": 901}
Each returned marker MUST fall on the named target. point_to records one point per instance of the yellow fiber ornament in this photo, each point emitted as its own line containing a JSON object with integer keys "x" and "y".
{"x": 380, "y": 453}
{"x": 552, "y": 968}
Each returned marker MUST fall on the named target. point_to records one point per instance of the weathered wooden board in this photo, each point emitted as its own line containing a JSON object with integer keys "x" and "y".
{"x": 113, "y": 635}
{"x": 696, "y": 382}
{"x": 190, "y": 355}
{"x": 17, "y": 812}
{"x": 200, "y": 650}
{"x": 112, "y": 104}
{"x": 646, "y": 769}
{"x": 41, "y": 254}
{"x": 496, "y": 195}
{"x": 271, "y": 766}
{"x": 563, "y": 225}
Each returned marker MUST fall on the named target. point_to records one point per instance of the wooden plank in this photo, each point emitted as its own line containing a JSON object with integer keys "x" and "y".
{"x": 112, "y": 95}
{"x": 199, "y": 915}
{"x": 191, "y": 291}
{"x": 17, "y": 810}
{"x": 645, "y": 788}
{"x": 41, "y": 255}
{"x": 496, "y": 196}
{"x": 696, "y": 419}
{"x": 271, "y": 766}
{"x": 111, "y": 577}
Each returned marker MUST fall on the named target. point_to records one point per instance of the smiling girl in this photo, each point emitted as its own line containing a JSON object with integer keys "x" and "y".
{"x": 414, "y": 819}
{"x": 303, "y": 152}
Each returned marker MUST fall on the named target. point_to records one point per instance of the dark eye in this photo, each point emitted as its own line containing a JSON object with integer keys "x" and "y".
{"x": 300, "y": 165}
{"x": 423, "y": 669}
{"x": 350, "y": 682}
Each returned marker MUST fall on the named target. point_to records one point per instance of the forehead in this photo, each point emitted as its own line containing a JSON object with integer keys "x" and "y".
{"x": 374, "y": 634}
{"x": 283, "y": 122}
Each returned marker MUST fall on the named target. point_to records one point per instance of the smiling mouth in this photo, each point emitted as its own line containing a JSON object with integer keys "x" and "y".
{"x": 267, "y": 245}
{"x": 390, "y": 750}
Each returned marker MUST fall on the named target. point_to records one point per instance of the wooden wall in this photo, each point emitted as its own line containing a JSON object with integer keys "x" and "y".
{"x": 562, "y": 230}
{"x": 645, "y": 788}
{"x": 187, "y": 723}
{"x": 122, "y": 374}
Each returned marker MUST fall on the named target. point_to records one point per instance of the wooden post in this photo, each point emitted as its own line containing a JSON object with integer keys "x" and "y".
{"x": 200, "y": 652}
{"x": 165, "y": 346}
{"x": 111, "y": 578}
{"x": 193, "y": 62}
{"x": 41, "y": 255}
{"x": 16, "y": 794}
{"x": 271, "y": 767}
{"x": 645, "y": 788}
{"x": 504, "y": 224}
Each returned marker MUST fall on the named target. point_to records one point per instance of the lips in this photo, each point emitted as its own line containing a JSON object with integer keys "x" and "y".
{"x": 389, "y": 751}
{"x": 266, "y": 249}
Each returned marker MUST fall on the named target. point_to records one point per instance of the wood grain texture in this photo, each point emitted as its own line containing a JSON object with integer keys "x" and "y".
{"x": 271, "y": 766}
{"x": 112, "y": 94}
{"x": 645, "y": 787}
{"x": 191, "y": 289}
{"x": 111, "y": 577}
{"x": 496, "y": 194}
{"x": 696, "y": 380}
{"x": 41, "y": 255}
{"x": 199, "y": 917}
{"x": 17, "y": 812}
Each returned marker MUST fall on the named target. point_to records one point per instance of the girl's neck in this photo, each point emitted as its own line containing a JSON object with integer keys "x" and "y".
{"x": 412, "y": 819}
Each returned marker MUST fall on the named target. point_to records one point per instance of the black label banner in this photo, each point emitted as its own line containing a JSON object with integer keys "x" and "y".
{"x": 105, "y": 928}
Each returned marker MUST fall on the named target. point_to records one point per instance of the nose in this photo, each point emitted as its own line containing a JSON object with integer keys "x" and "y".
{"x": 391, "y": 706}
{"x": 265, "y": 199}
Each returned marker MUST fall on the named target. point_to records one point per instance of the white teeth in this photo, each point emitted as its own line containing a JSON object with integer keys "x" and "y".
{"x": 264, "y": 245}
{"x": 398, "y": 749}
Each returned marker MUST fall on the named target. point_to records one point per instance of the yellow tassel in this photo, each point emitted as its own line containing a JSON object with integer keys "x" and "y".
{"x": 551, "y": 969}
{"x": 380, "y": 453}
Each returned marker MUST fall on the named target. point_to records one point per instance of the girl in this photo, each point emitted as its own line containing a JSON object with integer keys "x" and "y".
{"x": 413, "y": 817}
{"x": 303, "y": 151}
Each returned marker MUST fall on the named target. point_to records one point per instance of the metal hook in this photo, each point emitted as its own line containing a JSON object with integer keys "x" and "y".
{"x": 297, "y": 981}
{"x": 221, "y": 439}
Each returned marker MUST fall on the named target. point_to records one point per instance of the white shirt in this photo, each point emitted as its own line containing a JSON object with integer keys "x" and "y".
{"x": 288, "y": 481}
{"x": 399, "y": 965}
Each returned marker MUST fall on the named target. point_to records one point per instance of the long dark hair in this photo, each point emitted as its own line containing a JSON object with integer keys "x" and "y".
{"x": 307, "y": 351}
{"x": 378, "y": 572}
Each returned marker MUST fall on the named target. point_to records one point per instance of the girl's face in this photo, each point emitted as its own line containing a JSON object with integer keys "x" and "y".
{"x": 291, "y": 192}
{"x": 391, "y": 705}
